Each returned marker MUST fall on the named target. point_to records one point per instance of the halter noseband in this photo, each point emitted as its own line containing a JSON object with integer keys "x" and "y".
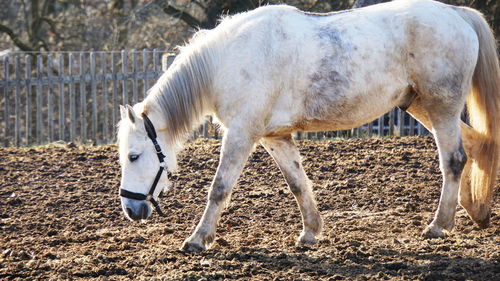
{"x": 150, "y": 130}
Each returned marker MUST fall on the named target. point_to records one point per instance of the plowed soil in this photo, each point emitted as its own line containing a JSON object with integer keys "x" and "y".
{"x": 60, "y": 218}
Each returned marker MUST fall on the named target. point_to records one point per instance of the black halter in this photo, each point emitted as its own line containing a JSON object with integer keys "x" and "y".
{"x": 150, "y": 130}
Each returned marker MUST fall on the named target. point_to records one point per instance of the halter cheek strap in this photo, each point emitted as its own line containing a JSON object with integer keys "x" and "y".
{"x": 150, "y": 130}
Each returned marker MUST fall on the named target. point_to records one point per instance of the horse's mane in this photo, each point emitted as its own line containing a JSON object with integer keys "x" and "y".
{"x": 183, "y": 93}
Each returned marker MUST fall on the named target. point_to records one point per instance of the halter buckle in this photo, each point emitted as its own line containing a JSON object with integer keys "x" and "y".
{"x": 148, "y": 197}
{"x": 157, "y": 147}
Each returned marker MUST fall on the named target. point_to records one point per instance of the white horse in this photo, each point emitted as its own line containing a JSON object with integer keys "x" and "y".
{"x": 274, "y": 70}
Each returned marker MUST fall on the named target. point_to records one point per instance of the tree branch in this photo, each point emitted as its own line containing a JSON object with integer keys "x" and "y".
{"x": 199, "y": 5}
{"x": 171, "y": 10}
{"x": 52, "y": 26}
{"x": 187, "y": 18}
{"x": 26, "y": 18}
{"x": 23, "y": 46}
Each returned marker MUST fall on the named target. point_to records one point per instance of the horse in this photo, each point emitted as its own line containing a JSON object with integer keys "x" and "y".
{"x": 266, "y": 73}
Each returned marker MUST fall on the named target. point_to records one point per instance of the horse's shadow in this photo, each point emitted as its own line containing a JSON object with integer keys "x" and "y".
{"x": 315, "y": 265}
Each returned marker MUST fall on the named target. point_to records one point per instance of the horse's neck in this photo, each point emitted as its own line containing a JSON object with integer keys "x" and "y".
{"x": 182, "y": 96}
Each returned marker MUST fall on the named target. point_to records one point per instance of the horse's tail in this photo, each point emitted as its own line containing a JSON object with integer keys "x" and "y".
{"x": 483, "y": 106}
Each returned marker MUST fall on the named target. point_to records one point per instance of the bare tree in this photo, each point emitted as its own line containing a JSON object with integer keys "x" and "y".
{"x": 36, "y": 28}
{"x": 33, "y": 25}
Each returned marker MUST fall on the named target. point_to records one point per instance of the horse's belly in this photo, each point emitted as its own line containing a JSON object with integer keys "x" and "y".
{"x": 337, "y": 114}
{"x": 348, "y": 117}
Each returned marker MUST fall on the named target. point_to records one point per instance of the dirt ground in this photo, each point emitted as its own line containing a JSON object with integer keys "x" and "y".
{"x": 60, "y": 218}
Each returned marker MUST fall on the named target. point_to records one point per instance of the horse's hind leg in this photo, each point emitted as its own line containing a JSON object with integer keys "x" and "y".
{"x": 286, "y": 155}
{"x": 443, "y": 119}
{"x": 468, "y": 136}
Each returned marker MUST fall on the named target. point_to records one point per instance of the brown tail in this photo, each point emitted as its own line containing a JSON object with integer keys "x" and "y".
{"x": 483, "y": 105}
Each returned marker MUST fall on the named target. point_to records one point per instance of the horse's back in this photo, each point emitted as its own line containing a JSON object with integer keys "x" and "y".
{"x": 339, "y": 70}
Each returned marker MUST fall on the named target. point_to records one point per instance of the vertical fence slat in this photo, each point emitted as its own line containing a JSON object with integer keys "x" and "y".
{"x": 145, "y": 83}
{"x": 72, "y": 102}
{"x": 392, "y": 114}
{"x": 50, "y": 94}
{"x": 381, "y": 126}
{"x": 105, "y": 105}
{"x": 114, "y": 109}
{"x": 29, "y": 96}
{"x": 420, "y": 129}
{"x": 401, "y": 122}
{"x": 155, "y": 62}
{"x": 17, "y": 106}
{"x": 39, "y": 88}
{"x": 412, "y": 126}
{"x": 94, "y": 97}
{"x": 356, "y": 132}
{"x": 124, "y": 71}
{"x": 62, "y": 107}
{"x": 370, "y": 129}
{"x": 83, "y": 100}
{"x": 6, "y": 101}
{"x": 135, "y": 98}
{"x": 205, "y": 129}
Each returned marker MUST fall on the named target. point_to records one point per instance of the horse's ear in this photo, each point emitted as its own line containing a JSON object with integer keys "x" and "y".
{"x": 123, "y": 112}
{"x": 131, "y": 113}
{"x": 128, "y": 112}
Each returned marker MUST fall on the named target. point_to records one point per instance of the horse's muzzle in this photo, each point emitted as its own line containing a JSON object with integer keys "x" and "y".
{"x": 136, "y": 210}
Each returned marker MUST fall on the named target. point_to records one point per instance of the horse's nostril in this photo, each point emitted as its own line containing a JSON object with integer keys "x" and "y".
{"x": 130, "y": 213}
{"x": 144, "y": 211}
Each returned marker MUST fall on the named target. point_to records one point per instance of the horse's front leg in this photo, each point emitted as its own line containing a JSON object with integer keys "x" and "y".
{"x": 286, "y": 155}
{"x": 236, "y": 148}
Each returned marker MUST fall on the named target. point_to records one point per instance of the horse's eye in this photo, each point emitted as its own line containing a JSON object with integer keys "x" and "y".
{"x": 133, "y": 157}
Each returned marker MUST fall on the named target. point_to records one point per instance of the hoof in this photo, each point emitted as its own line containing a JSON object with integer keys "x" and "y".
{"x": 306, "y": 239}
{"x": 191, "y": 247}
{"x": 484, "y": 223}
{"x": 432, "y": 231}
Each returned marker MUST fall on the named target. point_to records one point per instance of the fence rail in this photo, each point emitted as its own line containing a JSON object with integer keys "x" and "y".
{"x": 74, "y": 96}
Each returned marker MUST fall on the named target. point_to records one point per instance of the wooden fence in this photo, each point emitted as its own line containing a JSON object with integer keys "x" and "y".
{"x": 74, "y": 96}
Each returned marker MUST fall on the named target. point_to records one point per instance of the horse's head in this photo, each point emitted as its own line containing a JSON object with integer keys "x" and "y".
{"x": 145, "y": 160}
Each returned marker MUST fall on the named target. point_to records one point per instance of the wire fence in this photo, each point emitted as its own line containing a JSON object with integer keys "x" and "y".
{"x": 74, "y": 97}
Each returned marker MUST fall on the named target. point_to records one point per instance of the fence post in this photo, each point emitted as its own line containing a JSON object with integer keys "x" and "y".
{"x": 381, "y": 126}
{"x": 6, "y": 101}
{"x": 391, "y": 122}
{"x": 164, "y": 62}
{"x": 412, "y": 126}
{"x": 94, "y": 97}
{"x": 105, "y": 105}
{"x": 370, "y": 129}
{"x": 145, "y": 84}
{"x": 135, "y": 97}
{"x": 205, "y": 127}
{"x": 355, "y": 132}
{"x": 155, "y": 63}
{"x": 114, "y": 109}
{"x": 28, "y": 99}
{"x": 420, "y": 129}
{"x": 62, "y": 99}
{"x": 72, "y": 102}
{"x": 39, "y": 87}
{"x": 50, "y": 106}
{"x": 83, "y": 100}
{"x": 17, "y": 108}
{"x": 401, "y": 123}
{"x": 124, "y": 70}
